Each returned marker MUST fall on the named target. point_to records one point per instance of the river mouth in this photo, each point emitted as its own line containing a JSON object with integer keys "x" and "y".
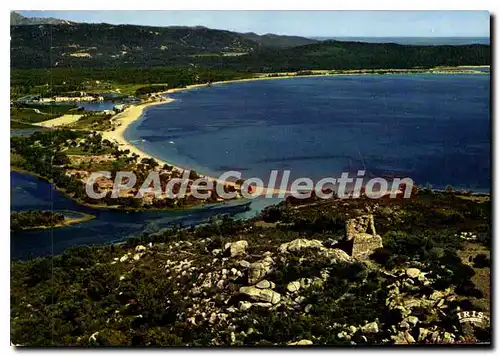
{"x": 31, "y": 193}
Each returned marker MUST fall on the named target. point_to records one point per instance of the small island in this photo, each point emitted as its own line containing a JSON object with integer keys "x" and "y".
{"x": 44, "y": 219}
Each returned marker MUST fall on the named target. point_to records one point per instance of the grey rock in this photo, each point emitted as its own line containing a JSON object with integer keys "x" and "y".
{"x": 403, "y": 337}
{"x": 412, "y": 272}
{"x": 422, "y": 334}
{"x": 261, "y": 295}
{"x": 404, "y": 325}
{"x": 301, "y": 342}
{"x": 264, "y": 284}
{"x": 370, "y": 328}
{"x": 243, "y": 306}
{"x": 244, "y": 264}
{"x": 293, "y": 287}
{"x": 299, "y": 244}
{"x": 137, "y": 256}
{"x": 436, "y": 295}
{"x": 344, "y": 336}
{"x": 237, "y": 248}
{"x": 413, "y": 320}
{"x": 258, "y": 270}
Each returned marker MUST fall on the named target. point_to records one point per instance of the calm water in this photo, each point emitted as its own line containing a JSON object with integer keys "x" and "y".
{"x": 97, "y": 105}
{"x": 423, "y": 41}
{"x": 432, "y": 128}
{"x": 28, "y": 192}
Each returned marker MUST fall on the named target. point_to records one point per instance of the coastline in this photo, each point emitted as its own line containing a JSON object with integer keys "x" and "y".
{"x": 134, "y": 112}
{"x": 124, "y": 120}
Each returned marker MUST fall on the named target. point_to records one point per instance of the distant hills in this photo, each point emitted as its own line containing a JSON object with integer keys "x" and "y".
{"x": 19, "y": 20}
{"x": 47, "y": 43}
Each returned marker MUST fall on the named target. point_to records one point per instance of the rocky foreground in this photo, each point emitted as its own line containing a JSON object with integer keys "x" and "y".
{"x": 328, "y": 273}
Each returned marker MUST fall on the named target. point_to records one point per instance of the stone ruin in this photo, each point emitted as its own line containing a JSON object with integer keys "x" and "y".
{"x": 361, "y": 233}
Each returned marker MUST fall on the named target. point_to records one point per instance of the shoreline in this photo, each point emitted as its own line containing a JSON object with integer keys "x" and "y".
{"x": 66, "y": 222}
{"x": 135, "y": 112}
{"x": 124, "y": 120}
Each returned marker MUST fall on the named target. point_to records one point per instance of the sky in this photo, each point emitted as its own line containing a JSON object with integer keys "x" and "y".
{"x": 301, "y": 23}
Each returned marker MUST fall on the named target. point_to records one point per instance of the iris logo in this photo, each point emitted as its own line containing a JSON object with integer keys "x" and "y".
{"x": 472, "y": 317}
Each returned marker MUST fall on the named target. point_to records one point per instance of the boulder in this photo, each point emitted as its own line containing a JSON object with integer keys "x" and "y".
{"x": 404, "y": 325}
{"x": 403, "y": 337}
{"x": 124, "y": 258}
{"x": 335, "y": 255}
{"x": 301, "y": 342}
{"x": 138, "y": 256}
{"x": 261, "y": 295}
{"x": 344, "y": 335}
{"x": 140, "y": 248}
{"x": 436, "y": 295}
{"x": 245, "y": 305}
{"x": 293, "y": 287}
{"x": 412, "y": 272}
{"x": 422, "y": 334}
{"x": 258, "y": 270}
{"x": 362, "y": 224}
{"x": 237, "y": 248}
{"x": 299, "y": 244}
{"x": 365, "y": 244}
{"x": 244, "y": 264}
{"x": 413, "y": 320}
{"x": 264, "y": 284}
{"x": 370, "y": 328}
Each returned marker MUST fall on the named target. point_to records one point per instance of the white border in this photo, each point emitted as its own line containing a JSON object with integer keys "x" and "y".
{"x": 492, "y": 6}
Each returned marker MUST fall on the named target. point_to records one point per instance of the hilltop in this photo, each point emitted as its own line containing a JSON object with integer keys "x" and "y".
{"x": 17, "y": 19}
{"x": 58, "y": 43}
{"x": 335, "y": 272}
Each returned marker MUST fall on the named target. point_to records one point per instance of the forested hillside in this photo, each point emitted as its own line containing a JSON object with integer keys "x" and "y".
{"x": 105, "y": 45}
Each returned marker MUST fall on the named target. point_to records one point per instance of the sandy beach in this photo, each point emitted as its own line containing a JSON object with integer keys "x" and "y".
{"x": 123, "y": 120}
{"x": 59, "y": 121}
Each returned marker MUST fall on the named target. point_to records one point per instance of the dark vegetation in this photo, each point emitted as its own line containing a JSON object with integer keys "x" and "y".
{"x": 104, "y": 45}
{"x": 62, "y": 80}
{"x": 28, "y": 115}
{"x": 42, "y": 154}
{"x": 88, "y": 297}
{"x": 46, "y": 154}
{"x": 34, "y": 218}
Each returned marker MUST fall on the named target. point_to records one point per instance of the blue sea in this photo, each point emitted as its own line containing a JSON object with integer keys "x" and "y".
{"x": 420, "y": 41}
{"x": 434, "y": 129}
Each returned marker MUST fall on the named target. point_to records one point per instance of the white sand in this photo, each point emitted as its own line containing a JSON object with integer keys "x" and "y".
{"x": 59, "y": 121}
{"x": 123, "y": 120}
